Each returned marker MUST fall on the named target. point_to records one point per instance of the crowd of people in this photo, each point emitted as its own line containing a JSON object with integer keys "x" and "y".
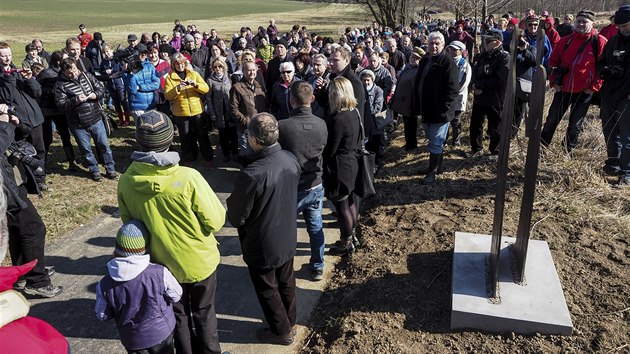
{"x": 293, "y": 109}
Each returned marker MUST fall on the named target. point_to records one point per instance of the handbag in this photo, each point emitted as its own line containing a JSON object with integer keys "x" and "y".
{"x": 108, "y": 122}
{"x": 523, "y": 89}
{"x": 383, "y": 119}
{"x": 364, "y": 186}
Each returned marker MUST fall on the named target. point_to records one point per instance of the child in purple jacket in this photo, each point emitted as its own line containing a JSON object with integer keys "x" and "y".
{"x": 138, "y": 294}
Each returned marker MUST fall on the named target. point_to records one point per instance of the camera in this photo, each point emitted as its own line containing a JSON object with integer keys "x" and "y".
{"x": 25, "y": 152}
{"x": 560, "y": 72}
{"x": 617, "y": 70}
{"x": 11, "y": 111}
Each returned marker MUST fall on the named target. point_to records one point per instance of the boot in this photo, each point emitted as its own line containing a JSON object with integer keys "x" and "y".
{"x": 439, "y": 163}
{"x": 434, "y": 161}
{"x": 69, "y": 151}
{"x": 121, "y": 120}
{"x": 127, "y": 119}
{"x": 343, "y": 247}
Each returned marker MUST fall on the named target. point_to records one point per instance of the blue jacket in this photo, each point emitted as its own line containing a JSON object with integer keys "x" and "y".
{"x": 142, "y": 88}
{"x": 531, "y": 39}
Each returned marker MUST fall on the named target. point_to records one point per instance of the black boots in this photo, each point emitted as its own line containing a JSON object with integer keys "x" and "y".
{"x": 435, "y": 167}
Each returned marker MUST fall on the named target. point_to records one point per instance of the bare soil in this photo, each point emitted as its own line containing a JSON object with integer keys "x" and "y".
{"x": 393, "y": 295}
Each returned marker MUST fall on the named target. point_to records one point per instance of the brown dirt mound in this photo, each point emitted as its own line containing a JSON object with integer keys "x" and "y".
{"x": 394, "y": 294}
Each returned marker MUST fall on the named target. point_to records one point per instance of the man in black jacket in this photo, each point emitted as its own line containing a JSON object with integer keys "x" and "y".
{"x": 305, "y": 136}
{"x": 436, "y": 88}
{"x": 20, "y": 90}
{"x": 340, "y": 66}
{"x": 614, "y": 68}
{"x": 27, "y": 231}
{"x": 489, "y": 80}
{"x": 266, "y": 228}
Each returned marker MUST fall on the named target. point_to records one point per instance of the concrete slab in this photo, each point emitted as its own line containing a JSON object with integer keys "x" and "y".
{"x": 80, "y": 257}
{"x": 538, "y": 306}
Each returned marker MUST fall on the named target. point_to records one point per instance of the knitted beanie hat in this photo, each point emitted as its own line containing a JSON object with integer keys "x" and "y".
{"x": 131, "y": 239}
{"x": 154, "y": 131}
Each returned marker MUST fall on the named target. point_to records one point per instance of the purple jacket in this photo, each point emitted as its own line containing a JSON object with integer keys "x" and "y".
{"x": 138, "y": 301}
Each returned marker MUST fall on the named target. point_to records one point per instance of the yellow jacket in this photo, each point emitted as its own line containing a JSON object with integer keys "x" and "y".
{"x": 185, "y": 102}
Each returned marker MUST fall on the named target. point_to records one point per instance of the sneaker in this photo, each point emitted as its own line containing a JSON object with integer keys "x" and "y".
{"x": 45, "y": 291}
{"x": 96, "y": 176}
{"x": 20, "y": 284}
{"x": 42, "y": 186}
{"x": 113, "y": 175}
{"x": 316, "y": 275}
{"x": 265, "y": 335}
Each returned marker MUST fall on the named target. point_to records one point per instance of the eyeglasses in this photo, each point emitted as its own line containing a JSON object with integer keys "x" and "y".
{"x": 286, "y": 72}
{"x": 532, "y": 25}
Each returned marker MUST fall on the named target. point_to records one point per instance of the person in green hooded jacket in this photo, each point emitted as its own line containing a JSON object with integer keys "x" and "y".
{"x": 181, "y": 212}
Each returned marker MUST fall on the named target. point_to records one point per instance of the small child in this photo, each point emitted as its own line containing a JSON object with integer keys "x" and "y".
{"x": 138, "y": 294}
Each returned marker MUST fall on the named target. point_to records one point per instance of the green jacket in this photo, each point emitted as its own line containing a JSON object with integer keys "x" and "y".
{"x": 180, "y": 211}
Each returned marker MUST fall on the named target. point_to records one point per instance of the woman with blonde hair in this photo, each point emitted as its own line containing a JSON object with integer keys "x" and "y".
{"x": 184, "y": 87}
{"x": 340, "y": 159}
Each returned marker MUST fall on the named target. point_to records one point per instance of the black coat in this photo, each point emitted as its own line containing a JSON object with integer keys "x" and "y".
{"x": 440, "y": 89}
{"x": 340, "y": 154}
{"x": 262, "y": 207}
{"x": 357, "y": 88}
{"x": 67, "y": 91}
{"x": 490, "y": 75}
{"x": 22, "y": 94}
{"x": 305, "y": 136}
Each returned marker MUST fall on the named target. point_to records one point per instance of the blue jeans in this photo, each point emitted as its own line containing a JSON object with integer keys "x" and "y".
{"x": 436, "y": 134}
{"x": 243, "y": 143}
{"x": 309, "y": 203}
{"x": 97, "y": 132}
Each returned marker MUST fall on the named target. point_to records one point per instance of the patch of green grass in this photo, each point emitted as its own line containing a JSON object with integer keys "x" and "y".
{"x": 36, "y": 16}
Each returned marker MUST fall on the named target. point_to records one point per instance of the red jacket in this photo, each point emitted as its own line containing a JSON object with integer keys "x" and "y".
{"x": 582, "y": 73}
{"x": 609, "y": 31}
{"x": 552, "y": 34}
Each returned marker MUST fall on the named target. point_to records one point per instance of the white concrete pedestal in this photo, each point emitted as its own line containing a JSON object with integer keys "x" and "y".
{"x": 538, "y": 306}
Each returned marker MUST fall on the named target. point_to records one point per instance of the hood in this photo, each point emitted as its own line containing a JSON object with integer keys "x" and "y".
{"x": 127, "y": 268}
{"x": 550, "y": 21}
{"x": 156, "y": 158}
{"x": 152, "y": 172}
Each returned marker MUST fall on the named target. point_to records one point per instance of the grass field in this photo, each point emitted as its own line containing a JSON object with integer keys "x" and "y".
{"x": 75, "y": 199}
{"x": 55, "y": 21}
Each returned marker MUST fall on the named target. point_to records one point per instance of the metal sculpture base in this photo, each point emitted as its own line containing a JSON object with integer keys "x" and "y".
{"x": 536, "y": 306}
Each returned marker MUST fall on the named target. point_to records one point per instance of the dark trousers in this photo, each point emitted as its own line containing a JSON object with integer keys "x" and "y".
{"x": 192, "y": 132}
{"x": 196, "y": 318}
{"x": 376, "y": 144}
{"x": 616, "y": 127}
{"x": 119, "y": 100}
{"x": 520, "y": 109}
{"x": 62, "y": 128}
{"x": 164, "y": 347}
{"x": 37, "y": 139}
{"x": 479, "y": 113}
{"x": 27, "y": 234}
{"x": 228, "y": 140}
{"x": 579, "y": 103}
{"x": 275, "y": 289}
{"x": 411, "y": 131}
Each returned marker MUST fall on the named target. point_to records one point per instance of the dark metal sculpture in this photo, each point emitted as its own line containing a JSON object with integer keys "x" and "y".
{"x": 502, "y": 167}
{"x": 533, "y": 126}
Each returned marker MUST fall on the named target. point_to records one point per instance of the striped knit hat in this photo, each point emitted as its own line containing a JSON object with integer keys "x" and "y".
{"x": 131, "y": 239}
{"x": 154, "y": 131}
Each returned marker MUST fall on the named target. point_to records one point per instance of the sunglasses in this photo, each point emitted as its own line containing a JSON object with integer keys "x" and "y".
{"x": 286, "y": 72}
{"x": 532, "y": 25}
